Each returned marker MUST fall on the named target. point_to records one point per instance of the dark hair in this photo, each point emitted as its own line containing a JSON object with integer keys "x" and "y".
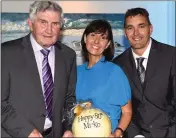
{"x": 99, "y": 26}
{"x": 137, "y": 11}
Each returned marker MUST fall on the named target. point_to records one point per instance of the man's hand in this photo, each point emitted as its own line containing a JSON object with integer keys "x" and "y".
{"x": 68, "y": 134}
{"x": 35, "y": 133}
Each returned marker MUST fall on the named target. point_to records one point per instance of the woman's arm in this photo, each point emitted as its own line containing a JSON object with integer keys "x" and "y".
{"x": 124, "y": 120}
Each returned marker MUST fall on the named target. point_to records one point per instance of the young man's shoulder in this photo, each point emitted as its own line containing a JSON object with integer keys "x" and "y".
{"x": 163, "y": 45}
{"x": 122, "y": 57}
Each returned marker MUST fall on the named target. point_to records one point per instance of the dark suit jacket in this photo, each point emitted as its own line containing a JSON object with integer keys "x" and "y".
{"x": 22, "y": 101}
{"x": 155, "y": 103}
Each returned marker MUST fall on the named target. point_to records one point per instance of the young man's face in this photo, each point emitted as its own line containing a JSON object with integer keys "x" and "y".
{"x": 45, "y": 27}
{"x": 138, "y": 31}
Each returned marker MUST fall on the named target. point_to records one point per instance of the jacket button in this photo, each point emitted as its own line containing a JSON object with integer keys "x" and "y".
{"x": 151, "y": 126}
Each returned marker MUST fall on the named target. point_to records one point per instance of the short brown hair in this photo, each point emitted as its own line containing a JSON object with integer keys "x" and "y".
{"x": 137, "y": 11}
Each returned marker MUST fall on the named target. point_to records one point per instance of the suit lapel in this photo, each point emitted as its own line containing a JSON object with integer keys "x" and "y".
{"x": 130, "y": 68}
{"x": 31, "y": 65}
{"x": 151, "y": 64}
{"x": 133, "y": 73}
{"x": 59, "y": 72}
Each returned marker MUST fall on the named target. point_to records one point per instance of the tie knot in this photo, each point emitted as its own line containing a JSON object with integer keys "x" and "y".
{"x": 140, "y": 60}
{"x": 45, "y": 52}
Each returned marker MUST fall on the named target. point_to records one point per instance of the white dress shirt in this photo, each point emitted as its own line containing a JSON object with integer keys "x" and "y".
{"x": 145, "y": 55}
{"x": 39, "y": 59}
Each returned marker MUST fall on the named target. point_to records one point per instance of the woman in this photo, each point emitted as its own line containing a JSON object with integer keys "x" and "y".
{"x": 101, "y": 81}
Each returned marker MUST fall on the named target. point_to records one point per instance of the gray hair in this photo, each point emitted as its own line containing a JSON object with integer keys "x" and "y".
{"x": 41, "y": 6}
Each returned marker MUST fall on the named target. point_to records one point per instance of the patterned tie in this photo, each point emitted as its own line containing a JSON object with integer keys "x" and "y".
{"x": 141, "y": 69}
{"x": 47, "y": 83}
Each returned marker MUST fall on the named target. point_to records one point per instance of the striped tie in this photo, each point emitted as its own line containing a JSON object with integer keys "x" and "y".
{"x": 48, "y": 84}
{"x": 141, "y": 69}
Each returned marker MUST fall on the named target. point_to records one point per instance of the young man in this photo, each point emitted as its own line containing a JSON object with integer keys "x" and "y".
{"x": 151, "y": 70}
{"x": 38, "y": 77}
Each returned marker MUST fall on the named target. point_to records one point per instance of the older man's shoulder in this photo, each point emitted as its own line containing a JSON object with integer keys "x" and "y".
{"x": 64, "y": 47}
{"x": 12, "y": 44}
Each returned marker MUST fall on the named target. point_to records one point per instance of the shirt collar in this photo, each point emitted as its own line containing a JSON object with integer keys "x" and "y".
{"x": 36, "y": 47}
{"x": 102, "y": 60}
{"x": 146, "y": 53}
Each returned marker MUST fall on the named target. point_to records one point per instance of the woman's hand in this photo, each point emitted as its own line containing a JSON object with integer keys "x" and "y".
{"x": 118, "y": 134}
{"x": 111, "y": 136}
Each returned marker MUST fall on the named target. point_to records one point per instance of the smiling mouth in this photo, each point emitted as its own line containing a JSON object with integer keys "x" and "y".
{"x": 137, "y": 39}
{"x": 95, "y": 47}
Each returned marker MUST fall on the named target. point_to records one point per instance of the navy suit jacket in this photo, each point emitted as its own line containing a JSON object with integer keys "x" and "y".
{"x": 153, "y": 104}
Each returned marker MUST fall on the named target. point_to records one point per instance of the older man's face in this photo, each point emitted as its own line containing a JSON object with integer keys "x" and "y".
{"x": 46, "y": 27}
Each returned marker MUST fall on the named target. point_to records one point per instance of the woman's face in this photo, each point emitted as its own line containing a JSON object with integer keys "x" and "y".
{"x": 96, "y": 43}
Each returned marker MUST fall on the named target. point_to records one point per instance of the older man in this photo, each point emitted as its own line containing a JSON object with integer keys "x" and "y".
{"x": 38, "y": 77}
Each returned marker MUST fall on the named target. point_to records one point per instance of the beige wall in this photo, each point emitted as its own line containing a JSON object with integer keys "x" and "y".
{"x": 80, "y": 6}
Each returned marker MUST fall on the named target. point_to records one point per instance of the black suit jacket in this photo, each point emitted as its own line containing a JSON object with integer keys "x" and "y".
{"x": 155, "y": 103}
{"x": 22, "y": 101}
